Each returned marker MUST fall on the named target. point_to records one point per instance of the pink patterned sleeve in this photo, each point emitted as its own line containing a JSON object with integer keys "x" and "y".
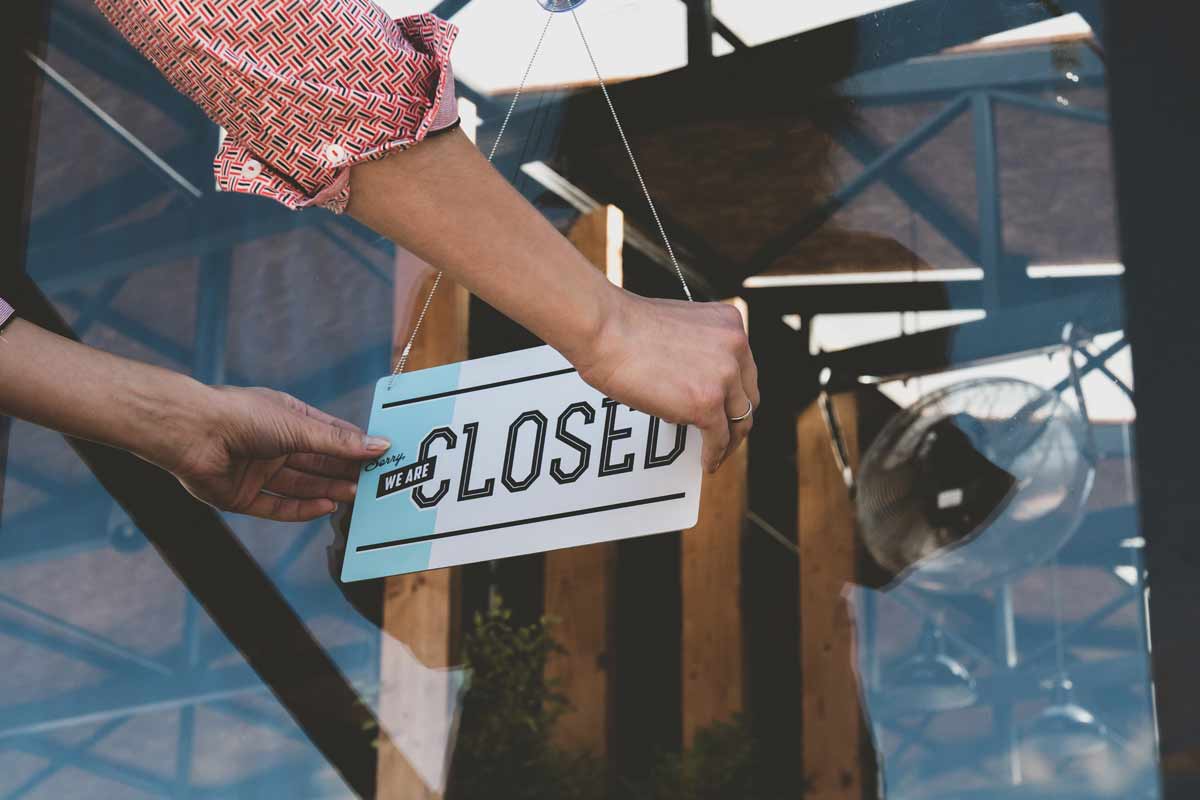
{"x": 304, "y": 89}
{"x": 6, "y": 312}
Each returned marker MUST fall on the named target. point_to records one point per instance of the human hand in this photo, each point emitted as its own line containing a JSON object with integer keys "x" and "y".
{"x": 267, "y": 454}
{"x": 687, "y": 363}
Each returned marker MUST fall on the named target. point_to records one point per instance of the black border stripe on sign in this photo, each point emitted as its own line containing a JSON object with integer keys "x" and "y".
{"x": 479, "y": 388}
{"x": 528, "y": 521}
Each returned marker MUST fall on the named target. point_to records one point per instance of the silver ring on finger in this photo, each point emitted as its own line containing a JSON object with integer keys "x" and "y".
{"x": 749, "y": 411}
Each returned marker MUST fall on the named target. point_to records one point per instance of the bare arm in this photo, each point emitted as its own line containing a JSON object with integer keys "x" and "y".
{"x": 683, "y": 362}
{"x": 253, "y": 451}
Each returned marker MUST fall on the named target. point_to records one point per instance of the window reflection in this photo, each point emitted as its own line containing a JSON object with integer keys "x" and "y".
{"x": 918, "y": 202}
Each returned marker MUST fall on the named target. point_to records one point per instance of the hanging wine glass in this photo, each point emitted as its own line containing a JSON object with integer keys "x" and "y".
{"x": 930, "y": 680}
{"x": 1064, "y": 729}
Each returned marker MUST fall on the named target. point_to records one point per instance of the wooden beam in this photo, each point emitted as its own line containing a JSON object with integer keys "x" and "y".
{"x": 713, "y": 655}
{"x": 581, "y": 581}
{"x": 600, "y": 236}
{"x": 832, "y": 727}
{"x": 421, "y": 611}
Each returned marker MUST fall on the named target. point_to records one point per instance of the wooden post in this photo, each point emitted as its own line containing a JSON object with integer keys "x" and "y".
{"x": 831, "y": 713}
{"x": 421, "y": 611}
{"x": 711, "y": 581}
{"x": 581, "y": 581}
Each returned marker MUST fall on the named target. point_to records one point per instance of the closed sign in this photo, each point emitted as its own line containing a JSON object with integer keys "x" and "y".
{"x": 509, "y": 455}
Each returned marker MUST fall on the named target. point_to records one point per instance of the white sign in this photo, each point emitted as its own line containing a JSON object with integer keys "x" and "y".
{"x": 509, "y": 455}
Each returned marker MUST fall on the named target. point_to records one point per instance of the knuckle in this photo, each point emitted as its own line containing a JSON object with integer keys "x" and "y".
{"x": 731, "y": 317}
{"x": 709, "y": 399}
{"x": 729, "y": 372}
{"x": 743, "y": 345}
{"x": 733, "y": 341}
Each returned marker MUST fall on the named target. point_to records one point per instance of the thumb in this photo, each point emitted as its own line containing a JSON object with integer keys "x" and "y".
{"x": 340, "y": 441}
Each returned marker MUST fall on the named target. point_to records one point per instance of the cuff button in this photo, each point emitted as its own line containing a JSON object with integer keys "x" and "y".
{"x": 251, "y": 169}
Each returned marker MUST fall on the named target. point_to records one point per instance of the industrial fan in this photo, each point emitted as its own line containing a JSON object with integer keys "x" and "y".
{"x": 962, "y": 490}
{"x": 973, "y": 482}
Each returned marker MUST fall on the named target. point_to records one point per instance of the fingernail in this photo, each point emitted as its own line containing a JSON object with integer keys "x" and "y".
{"x": 376, "y": 443}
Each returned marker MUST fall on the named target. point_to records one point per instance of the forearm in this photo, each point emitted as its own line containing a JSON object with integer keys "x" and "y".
{"x": 443, "y": 201}
{"x": 66, "y": 386}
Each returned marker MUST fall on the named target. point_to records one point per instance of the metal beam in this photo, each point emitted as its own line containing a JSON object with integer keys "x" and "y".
{"x": 95, "y": 44}
{"x": 1097, "y": 362}
{"x": 58, "y": 526}
{"x": 172, "y": 236}
{"x": 448, "y": 8}
{"x": 78, "y": 650}
{"x": 334, "y": 233}
{"x": 987, "y": 193}
{"x": 64, "y": 759}
{"x": 552, "y": 181}
{"x": 238, "y": 595}
{"x": 944, "y": 219}
{"x": 102, "y": 766}
{"x": 728, "y": 35}
{"x": 86, "y": 640}
{"x": 1057, "y": 109}
{"x": 134, "y": 329}
{"x": 128, "y": 190}
{"x": 951, "y": 74}
{"x": 170, "y": 176}
{"x": 699, "y": 31}
{"x": 1003, "y": 334}
{"x": 780, "y": 244}
{"x": 297, "y": 777}
{"x": 130, "y": 695}
{"x": 33, "y": 478}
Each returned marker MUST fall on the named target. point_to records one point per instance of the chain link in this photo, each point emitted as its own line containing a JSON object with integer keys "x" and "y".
{"x": 636, "y": 171}
{"x": 402, "y": 362}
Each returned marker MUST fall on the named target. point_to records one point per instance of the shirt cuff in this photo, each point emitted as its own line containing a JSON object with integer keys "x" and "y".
{"x": 6, "y": 313}
{"x": 447, "y": 113}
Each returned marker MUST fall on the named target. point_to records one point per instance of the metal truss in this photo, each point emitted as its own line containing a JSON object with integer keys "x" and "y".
{"x": 197, "y": 224}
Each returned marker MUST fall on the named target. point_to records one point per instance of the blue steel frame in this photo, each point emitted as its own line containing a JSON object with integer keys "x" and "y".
{"x": 146, "y": 684}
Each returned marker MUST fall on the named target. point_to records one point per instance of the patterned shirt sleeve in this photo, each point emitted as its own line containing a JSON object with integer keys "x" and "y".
{"x": 304, "y": 89}
{"x": 6, "y": 312}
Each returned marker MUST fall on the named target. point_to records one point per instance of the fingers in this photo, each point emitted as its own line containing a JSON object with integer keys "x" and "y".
{"x": 288, "y": 509}
{"x": 311, "y": 435}
{"x": 716, "y": 444}
{"x": 293, "y": 483}
{"x": 739, "y": 400}
{"x": 749, "y": 375}
{"x": 714, "y": 425}
{"x": 329, "y": 419}
{"x": 326, "y": 466}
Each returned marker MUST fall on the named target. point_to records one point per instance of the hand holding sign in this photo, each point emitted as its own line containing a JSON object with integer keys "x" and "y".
{"x": 508, "y": 455}
{"x": 684, "y": 362}
{"x": 267, "y": 454}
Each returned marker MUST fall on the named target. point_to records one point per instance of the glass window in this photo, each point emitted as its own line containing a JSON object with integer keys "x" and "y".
{"x": 923, "y": 578}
